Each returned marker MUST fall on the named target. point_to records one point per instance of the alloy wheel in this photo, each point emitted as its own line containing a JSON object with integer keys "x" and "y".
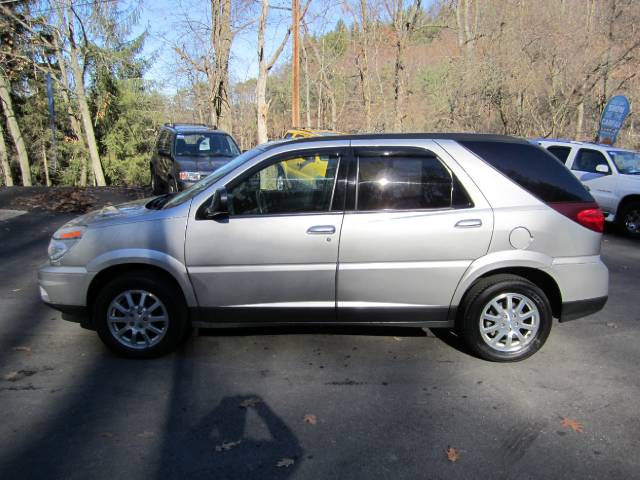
{"x": 509, "y": 322}
{"x": 137, "y": 319}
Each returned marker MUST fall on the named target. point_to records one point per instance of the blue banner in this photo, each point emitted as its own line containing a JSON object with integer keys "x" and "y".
{"x": 613, "y": 117}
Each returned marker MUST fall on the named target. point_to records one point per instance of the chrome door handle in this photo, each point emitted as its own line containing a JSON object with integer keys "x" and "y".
{"x": 321, "y": 230}
{"x": 469, "y": 223}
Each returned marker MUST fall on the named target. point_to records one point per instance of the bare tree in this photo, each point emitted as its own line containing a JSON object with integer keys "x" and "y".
{"x": 264, "y": 66}
{"x": 403, "y": 21}
{"x": 14, "y": 129}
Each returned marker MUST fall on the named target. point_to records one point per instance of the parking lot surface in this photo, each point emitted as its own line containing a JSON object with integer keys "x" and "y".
{"x": 312, "y": 403}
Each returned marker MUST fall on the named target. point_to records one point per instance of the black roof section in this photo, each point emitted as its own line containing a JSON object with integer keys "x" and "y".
{"x": 459, "y": 137}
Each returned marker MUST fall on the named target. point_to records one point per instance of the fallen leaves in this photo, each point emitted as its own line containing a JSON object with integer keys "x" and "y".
{"x": 24, "y": 349}
{"x": 250, "y": 402}
{"x": 452, "y": 454}
{"x": 574, "y": 425}
{"x": 285, "y": 462}
{"x": 74, "y": 200}
{"x": 310, "y": 419}
{"x": 225, "y": 446}
{"x": 19, "y": 375}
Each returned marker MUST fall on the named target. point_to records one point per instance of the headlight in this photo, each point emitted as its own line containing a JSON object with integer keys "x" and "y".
{"x": 63, "y": 240}
{"x": 189, "y": 176}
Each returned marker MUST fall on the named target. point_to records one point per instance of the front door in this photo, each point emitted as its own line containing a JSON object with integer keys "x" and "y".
{"x": 601, "y": 185}
{"x": 274, "y": 258}
{"x": 412, "y": 232}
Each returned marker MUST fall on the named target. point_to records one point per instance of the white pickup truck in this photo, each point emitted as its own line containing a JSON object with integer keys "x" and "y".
{"x": 611, "y": 174}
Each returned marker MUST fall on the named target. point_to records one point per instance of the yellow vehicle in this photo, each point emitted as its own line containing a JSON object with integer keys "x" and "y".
{"x": 307, "y": 168}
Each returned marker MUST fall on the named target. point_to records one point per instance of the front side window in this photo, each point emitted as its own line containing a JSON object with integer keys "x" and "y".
{"x": 406, "y": 182}
{"x": 587, "y": 161}
{"x": 293, "y": 185}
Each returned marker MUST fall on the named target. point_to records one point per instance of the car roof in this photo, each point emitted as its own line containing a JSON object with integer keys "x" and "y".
{"x": 562, "y": 141}
{"x": 460, "y": 137}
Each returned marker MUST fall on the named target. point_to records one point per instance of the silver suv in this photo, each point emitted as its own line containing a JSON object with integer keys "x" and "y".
{"x": 488, "y": 235}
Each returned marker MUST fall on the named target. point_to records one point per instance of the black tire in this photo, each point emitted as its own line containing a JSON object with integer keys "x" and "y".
{"x": 480, "y": 296}
{"x": 171, "y": 298}
{"x": 629, "y": 219}
{"x": 156, "y": 183}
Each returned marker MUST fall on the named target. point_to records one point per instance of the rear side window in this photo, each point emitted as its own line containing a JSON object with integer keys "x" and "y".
{"x": 561, "y": 153}
{"x": 534, "y": 169}
{"x": 406, "y": 181}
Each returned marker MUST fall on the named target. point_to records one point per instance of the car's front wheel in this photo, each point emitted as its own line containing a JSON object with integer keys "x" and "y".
{"x": 505, "y": 318}
{"x": 140, "y": 316}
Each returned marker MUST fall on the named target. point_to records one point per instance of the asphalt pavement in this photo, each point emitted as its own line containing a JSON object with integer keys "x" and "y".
{"x": 311, "y": 403}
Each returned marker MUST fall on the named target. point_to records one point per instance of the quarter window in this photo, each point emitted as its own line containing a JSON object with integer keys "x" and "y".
{"x": 403, "y": 181}
{"x": 294, "y": 185}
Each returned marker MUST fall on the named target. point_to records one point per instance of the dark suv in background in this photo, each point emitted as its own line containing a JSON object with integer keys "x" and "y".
{"x": 186, "y": 152}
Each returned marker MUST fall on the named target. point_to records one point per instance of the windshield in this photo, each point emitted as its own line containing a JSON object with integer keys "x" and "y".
{"x": 205, "y": 144}
{"x": 203, "y": 184}
{"x": 627, "y": 162}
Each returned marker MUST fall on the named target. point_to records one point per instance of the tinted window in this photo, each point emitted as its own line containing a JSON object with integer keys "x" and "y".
{"x": 534, "y": 169}
{"x": 587, "y": 160}
{"x": 561, "y": 153}
{"x": 406, "y": 182}
{"x": 293, "y": 185}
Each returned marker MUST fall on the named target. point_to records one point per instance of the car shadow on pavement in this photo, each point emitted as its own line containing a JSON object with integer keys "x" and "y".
{"x": 357, "y": 330}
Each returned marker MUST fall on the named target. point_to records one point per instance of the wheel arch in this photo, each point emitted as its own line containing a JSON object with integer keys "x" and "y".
{"x": 538, "y": 277}
{"x": 624, "y": 201}
{"x": 107, "y": 274}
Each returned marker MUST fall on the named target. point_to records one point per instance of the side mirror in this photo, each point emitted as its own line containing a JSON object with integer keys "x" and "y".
{"x": 602, "y": 168}
{"x": 218, "y": 208}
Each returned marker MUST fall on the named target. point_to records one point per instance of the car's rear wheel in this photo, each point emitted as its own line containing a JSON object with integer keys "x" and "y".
{"x": 505, "y": 318}
{"x": 140, "y": 316}
{"x": 629, "y": 219}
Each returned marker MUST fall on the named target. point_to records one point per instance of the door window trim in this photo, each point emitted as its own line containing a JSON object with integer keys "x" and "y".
{"x": 343, "y": 160}
{"x": 604, "y": 155}
{"x": 354, "y": 171}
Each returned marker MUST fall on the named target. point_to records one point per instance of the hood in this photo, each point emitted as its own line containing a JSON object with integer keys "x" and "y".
{"x": 125, "y": 212}
{"x": 201, "y": 163}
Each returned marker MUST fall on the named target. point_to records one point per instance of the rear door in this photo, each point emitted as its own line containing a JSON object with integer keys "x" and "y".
{"x": 411, "y": 230}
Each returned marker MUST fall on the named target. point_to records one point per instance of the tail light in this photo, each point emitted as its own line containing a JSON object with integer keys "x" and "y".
{"x": 588, "y": 215}
{"x": 591, "y": 218}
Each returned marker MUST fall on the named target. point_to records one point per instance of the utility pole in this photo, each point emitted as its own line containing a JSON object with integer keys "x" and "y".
{"x": 295, "y": 64}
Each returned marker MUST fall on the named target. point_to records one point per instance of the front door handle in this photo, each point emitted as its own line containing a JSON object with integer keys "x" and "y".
{"x": 469, "y": 223}
{"x": 321, "y": 230}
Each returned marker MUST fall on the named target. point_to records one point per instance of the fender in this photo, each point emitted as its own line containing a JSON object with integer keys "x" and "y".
{"x": 149, "y": 257}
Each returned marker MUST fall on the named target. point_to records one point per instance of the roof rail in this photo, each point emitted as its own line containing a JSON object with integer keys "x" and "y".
{"x": 185, "y": 124}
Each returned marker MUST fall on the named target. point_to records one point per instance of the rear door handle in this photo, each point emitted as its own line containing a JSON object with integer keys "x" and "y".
{"x": 321, "y": 230}
{"x": 469, "y": 223}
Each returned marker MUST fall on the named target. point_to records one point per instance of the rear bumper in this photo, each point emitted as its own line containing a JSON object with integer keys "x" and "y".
{"x": 582, "y": 308}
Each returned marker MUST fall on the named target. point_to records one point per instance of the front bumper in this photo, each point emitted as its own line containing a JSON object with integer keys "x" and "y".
{"x": 64, "y": 286}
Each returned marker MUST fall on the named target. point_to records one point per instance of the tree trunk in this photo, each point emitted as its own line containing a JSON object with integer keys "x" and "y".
{"x": 85, "y": 114}
{"x": 87, "y": 123}
{"x": 221, "y": 38}
{"x": 4, "y": 161}
{"x": 307, "y": 85}
{"x": 14, "y": 130}
{"x": 264, "y": 66}
{"x": 398, "y": 90}
{"x": 362, "y": 61}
